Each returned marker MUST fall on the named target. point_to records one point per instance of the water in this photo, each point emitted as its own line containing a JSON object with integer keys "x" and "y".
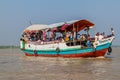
{"x": 15, "y": 66}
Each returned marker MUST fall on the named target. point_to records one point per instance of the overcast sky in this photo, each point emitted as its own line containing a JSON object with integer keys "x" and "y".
{"x": 16, "y": 14}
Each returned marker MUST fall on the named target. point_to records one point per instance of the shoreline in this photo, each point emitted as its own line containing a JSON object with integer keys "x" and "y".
{"x": 9, "y": 47}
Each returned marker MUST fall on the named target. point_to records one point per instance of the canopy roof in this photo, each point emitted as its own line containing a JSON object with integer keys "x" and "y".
{"x": 61, "y": 23}
{"x": 80, "y": 25}
{"x": 36, "y": 27}
{"x": 69, "y": 25}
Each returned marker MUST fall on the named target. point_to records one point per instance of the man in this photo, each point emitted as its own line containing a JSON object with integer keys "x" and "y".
{"x": 112, "y": 31}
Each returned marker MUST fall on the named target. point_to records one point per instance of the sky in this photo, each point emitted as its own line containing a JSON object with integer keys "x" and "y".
{"x": 15, "y": 15}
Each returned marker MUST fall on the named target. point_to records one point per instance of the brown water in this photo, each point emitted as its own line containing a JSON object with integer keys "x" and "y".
{"x": 15, "y": 66}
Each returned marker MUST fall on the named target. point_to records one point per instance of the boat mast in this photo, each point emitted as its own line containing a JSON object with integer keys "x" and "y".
{"x": 74, "y": 31}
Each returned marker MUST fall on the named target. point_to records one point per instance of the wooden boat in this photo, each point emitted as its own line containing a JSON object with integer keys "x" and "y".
{"x": 40, "y": 45}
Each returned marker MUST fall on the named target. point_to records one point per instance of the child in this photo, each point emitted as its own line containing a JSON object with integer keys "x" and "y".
{"x": 88, "y": 43}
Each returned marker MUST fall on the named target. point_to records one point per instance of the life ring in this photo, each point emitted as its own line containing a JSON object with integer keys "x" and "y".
{"x": 35, "y": 53}
{"x": 57, "y": 49}
{"x": 109, "y": 50}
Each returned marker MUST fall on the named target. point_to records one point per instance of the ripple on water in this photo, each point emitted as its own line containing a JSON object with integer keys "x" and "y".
{"x": 14, "y": 65}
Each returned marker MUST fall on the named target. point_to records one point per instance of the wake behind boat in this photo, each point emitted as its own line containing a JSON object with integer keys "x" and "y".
{"x": 65, "y": 40}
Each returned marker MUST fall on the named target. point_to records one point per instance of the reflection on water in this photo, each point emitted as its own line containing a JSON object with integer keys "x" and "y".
{"x": 14, "y": 65}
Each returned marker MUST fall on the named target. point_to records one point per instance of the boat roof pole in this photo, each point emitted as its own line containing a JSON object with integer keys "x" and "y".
{"x": 73, "y": 30}
{"x": 76, "y": 30}
{"x": 30, "y": 22}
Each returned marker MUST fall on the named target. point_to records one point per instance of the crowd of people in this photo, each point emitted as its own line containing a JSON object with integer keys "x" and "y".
{"x": 42, "y": 36}
{"x": 49, "y": 36}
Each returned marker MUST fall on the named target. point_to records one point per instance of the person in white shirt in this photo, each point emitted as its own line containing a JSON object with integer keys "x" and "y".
{"x": 97, "y": 37}
{"x": 112, "y": 31}
{"x": 101, "y": 37}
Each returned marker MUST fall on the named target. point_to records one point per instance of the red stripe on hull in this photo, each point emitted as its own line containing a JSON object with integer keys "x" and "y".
{"x": 88, "y": 54}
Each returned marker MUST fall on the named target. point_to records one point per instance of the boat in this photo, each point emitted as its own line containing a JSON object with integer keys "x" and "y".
{"x": 63, "y": 40}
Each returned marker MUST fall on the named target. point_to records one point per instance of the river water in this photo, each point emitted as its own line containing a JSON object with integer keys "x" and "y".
{"x": 15, "y": 66}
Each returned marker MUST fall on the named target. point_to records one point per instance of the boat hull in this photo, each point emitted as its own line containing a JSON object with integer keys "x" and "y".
{"x": 98, "y": 53}
{"x": 99, "y": 49}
